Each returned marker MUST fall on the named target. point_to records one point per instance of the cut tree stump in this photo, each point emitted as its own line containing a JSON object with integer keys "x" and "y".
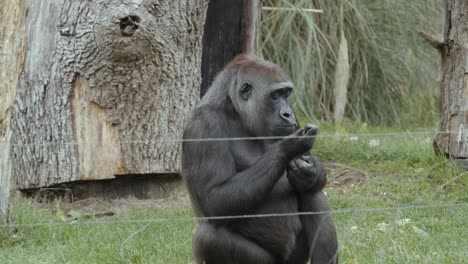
{"x": 12, "y": 49}
{"x": 104, "y": 88}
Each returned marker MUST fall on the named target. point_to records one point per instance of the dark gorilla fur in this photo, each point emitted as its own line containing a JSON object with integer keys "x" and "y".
{"x": 242, "y": 177}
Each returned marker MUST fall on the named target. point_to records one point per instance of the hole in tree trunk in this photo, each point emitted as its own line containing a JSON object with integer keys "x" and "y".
{"x": 129, "y": 24}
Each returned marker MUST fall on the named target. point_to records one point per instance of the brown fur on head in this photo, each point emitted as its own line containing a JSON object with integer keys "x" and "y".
{"x": 252, "y": 63}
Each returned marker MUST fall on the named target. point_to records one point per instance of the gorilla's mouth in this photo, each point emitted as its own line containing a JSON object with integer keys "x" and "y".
{"x": 293, "y": 127}
{"x": 286, "y": 130}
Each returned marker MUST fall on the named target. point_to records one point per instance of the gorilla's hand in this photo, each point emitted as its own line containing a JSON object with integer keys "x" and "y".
{"x": 307, "y": 174}
{"x": 299, "y": 142}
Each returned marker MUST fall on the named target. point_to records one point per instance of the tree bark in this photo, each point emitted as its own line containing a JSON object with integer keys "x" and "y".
{"x": 103, "y": 86}
{"x": 452, "y": 141}
{"x": 12, "y": 46}
{"x": 231, "y": 28}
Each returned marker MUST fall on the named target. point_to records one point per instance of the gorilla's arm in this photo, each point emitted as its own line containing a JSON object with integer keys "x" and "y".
{"x": 211, "y": 175}
{"x": 307, "y": 174}
{"x": 319, "y": 229}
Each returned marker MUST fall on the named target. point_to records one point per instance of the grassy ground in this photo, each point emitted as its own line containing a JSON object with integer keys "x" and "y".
{"x": 410, "y": 210}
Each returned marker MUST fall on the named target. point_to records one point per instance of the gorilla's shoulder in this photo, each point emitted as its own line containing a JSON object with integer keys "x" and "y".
{"x": 208, "y": 114}
{"x": 206, "y": 121}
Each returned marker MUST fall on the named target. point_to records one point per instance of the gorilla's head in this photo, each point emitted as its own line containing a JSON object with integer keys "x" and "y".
{"x": 259, "y": 92}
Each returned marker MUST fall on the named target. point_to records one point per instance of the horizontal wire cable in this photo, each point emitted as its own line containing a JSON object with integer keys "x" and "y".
{"x": 174, "y": 140}
{"x": 347, "y": 210}
{"x": 188, "y": 219}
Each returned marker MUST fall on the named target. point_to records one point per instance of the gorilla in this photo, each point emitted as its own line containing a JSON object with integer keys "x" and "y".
{"x": 270, "y": 172}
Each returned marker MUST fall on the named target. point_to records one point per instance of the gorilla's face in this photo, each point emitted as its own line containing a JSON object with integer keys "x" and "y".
{"x": 261, "y": 99}
{"x": 280, "y": 120}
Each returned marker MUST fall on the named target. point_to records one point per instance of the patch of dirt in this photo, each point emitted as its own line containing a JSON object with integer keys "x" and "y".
{"x": 97, "y": 207}
{"x": 340, "y": 175}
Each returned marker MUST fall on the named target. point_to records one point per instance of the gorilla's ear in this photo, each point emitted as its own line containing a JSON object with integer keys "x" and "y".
{"x": 246, "y": 90}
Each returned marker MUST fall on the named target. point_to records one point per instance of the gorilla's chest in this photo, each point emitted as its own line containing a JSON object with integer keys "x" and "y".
{"x": 245, "y": 153}
{"x": 276, "y": 233}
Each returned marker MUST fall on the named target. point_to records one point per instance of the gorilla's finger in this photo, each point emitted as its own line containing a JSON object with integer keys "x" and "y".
{"x": 309, "y": 127}
{"x": 307, "y": 158}
{"x": 297, "y": 171}
{"x": 297, "y": 179}
{"x": 317, "y": 163}
{"x": 299, "y": 132}
{"x": 304, "y": 167}
{"x": 300, "y": 163}
{"x": 311, "y": 132}
{"x": 293, "y": 166}
{"x": 296, "y": 134}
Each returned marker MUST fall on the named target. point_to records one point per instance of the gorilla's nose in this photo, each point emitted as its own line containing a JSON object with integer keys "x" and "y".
{"x": 288, "y": 115}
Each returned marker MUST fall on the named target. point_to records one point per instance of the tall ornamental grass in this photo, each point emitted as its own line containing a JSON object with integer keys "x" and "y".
{"x": 392, "y": 71}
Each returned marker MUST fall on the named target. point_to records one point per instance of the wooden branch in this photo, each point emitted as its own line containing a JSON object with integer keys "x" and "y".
{"x": 231, "y": 28}
{"x": 434, "y": 41}
{"x": 251, "y": 17}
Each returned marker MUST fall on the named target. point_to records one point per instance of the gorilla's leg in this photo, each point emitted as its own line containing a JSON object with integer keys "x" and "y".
{"x": 300, "y": 254}
{"x": 213, "y": 245}
{"x": 324, "y": 248}
{"x": 319, "y": 229}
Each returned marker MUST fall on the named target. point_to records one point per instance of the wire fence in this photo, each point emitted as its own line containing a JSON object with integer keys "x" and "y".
{"x": 352, "y": 136}
{"x": 353, "y": 213}
{"x": 462, "y": 134}
{"x": 232, "y": 217}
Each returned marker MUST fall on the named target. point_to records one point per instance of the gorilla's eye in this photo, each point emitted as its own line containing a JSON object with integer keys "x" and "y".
{"x": 246, "y": 87}
{"x": 275, "y": 95}
{"x": 281, "y": 93}
{"x": 245, "y": 90}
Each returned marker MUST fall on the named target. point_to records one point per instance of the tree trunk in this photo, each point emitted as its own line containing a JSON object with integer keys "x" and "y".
{"x": 231, "y": 28}
{"x": 12, "y": 47}
{"x": 452, "y": 141}
{"x": 103, "y": 84}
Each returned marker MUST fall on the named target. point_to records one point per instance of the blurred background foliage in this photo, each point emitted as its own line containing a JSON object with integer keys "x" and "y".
{"x": 393, "y": 72}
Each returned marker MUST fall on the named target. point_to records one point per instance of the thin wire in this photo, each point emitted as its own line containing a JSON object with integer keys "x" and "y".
{"x": 311, "y": 10}
{"x": 122, "y": 247}
{"x": 189, "y": 219}
{"x": 174, "y": 140}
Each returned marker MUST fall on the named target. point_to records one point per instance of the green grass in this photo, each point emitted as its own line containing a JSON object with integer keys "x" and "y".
{"x": 99, "y": 242}
{"x": 403, "y": 172}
